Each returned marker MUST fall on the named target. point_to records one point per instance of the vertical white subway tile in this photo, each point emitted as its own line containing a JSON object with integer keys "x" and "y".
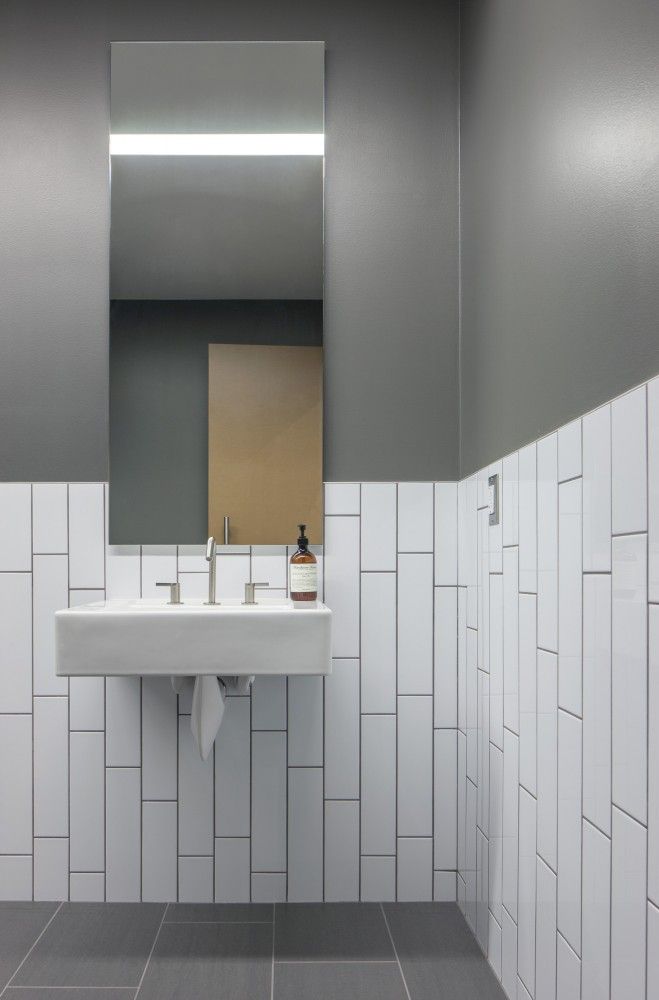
{"x": 268, "y": 801}
{"x": 195, "y": 795}
{"x": 462, "y": 659}
{"x": 51, "y": 767}
{"x": 496, "y": 660}
{"x": 471, "y": 511}
{"x": 269, "y": 887}
{"x": 87, "y": 802}
{"x": 446, "y": 657}
{"x": 232, "y": 875}
{"x": 629, "y": 674}
{"x": 547, "y": 756}
{"x": 495, "y": 832}
{"x": 629, "y": 463}
{"x": 122, "y": 834}
{"x": 233, "y": 572}
{"x": 546, "y": 933}
{"x": 628, "y": 907}
{"x": 568, "y": 971}
{"x": 415, "y": 766}
{"x": 232, "y": 771}
{"x": 527, "y": 890}
{"x": 653, "y": 951}
{"x": 446, "y": 534}
{"x": 482, "y": 884}
{"x": 50, "y": 593}
{"x": 87, "y": 887}
{"x": 378, "y": 642}
{"x": 342, "y": 582}
{"x": 15, "y": 527}
{"x": 16, "y": 642}
{"x": 305, "y": 721}
{"x": 569, "y": 830}
{"x": 462, "y": 532}
{"x": 653, "y": 758}
{"x": 596, "y": 914}
{"x": 470, "y": 853}
{"x": 527, "y": 691}
{"x": 341, "y": 851}
{"x": 123, "y": 571}
{"x": 547, "y": 544}
{"x": 483, "y": 590}
{"x": 510, "y": 492}
{"x": 444, "y": 888}
{"x": 158, "y": 565}
{"x": 462, "y": 801}
{"x": 508, "y": 954}
{"x": 378, "y": 534}
{"x": 528, "y": 518}
{"x": 16, "y": 878}
{"x": 159, "y": 738}
{"x": 483, "y": 779}
{"x": 86, "y": 535}
{"x": 269, "y": 703}
{"x": 414, "y": 870}
{"x": 123, "y": 721}
{"x": 461, "y": 894}
{"x": 16, "y": 785}
{"x": 270, "y": 565}
{"x": 305, "y": 834}
{"x": 50, "y": 531}
{"x": 378, "y": 877}
{"x": 597, "y": 700}
{"x": 195, "y": 880}
{"x": 192, "y": 559}
{"x": 415, "y": 624}
{"x": 522, "y": 992}
{"x": 51, "y": 868}
{"x": 342, "y": 498}
{"x": 445, "y": 799}
{"x": 159, "y": 861}
{"x": 494, "y": 945}
{"x": 569, "y": 596}
{"x": 342, "y": 730}
{"x": 597, "y": 491}
{"x": 511, "y": 751}
{"x": 569, "y": 451}
{"x": 378, "y": 798}
{"x": 415, "y": 517}
{"x": 653, "y": 490}
{"x": 472, "y": 706}
{"x": 495, "y": 543}
{"x": 510, "y": 640}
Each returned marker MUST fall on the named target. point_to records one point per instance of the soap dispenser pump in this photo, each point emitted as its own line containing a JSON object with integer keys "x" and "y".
{"x": 303, "y": 571}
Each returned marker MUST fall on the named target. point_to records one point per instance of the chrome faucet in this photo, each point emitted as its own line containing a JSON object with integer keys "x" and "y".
{"x": 250, "y": 588}
{"x": 211, "y": 548}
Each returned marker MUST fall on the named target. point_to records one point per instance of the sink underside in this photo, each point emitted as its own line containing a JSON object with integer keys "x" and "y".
{"x": 151, "y": 637}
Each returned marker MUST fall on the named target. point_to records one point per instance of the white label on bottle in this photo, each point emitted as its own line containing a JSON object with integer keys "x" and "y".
{"x": 304, "y": 578}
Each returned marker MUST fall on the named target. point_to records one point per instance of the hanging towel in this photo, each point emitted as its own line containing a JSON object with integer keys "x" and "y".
{"x": 207, "y": 711}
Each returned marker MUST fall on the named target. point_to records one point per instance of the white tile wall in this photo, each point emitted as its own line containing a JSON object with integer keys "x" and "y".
{"x": 579, "y": 887}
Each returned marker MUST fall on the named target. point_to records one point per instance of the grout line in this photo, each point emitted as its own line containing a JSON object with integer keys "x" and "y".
{"x": 272, "y": 971}
{"x": 34, "y": 944}
{"x": 393, "y": 945}
{"x": 153, "y": 948}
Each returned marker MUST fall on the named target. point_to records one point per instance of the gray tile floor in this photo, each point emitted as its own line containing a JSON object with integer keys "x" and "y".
{"x": 294, "y": 951}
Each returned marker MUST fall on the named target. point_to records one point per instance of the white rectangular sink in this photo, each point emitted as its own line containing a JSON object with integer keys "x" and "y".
{"x": 151, "y": 637}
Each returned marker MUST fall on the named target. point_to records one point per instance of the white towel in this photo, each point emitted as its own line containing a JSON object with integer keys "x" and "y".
{"x": 207, "y": 711}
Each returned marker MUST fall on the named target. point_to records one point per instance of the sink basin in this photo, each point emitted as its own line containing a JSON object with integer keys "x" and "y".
{"x": 151, "y": 637}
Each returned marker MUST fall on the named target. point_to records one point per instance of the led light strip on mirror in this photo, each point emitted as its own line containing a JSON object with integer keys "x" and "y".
{"x": 217, "y": 144}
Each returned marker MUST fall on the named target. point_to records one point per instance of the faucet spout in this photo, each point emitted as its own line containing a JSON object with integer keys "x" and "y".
{"x": 211, "y": 549}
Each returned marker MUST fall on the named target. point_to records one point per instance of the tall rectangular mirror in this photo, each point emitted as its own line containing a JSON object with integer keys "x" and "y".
{"x": 217, "y": 171}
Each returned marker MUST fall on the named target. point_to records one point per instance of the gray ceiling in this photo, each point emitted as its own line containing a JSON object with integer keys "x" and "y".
{"x": 207, "y": 227}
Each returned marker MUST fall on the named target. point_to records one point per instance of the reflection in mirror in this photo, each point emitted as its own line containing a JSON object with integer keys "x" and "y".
{"x": 216, "y": 238}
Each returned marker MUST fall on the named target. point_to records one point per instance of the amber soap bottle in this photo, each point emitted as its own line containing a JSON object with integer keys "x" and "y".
{"x": 303, "y": 571}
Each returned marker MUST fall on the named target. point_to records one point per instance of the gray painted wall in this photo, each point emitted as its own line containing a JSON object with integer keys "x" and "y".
{"x": 560, "y": 213}
{"x": 391, "y": 225}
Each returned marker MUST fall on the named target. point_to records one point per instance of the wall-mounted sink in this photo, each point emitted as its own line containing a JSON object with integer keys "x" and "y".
{"x": 222, "y": 646}
{"x": 147, "y": 637}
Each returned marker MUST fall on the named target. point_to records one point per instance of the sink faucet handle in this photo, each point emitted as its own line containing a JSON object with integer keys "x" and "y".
{"x": 249, "y": 591}
{"x": 174, "y": 591}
